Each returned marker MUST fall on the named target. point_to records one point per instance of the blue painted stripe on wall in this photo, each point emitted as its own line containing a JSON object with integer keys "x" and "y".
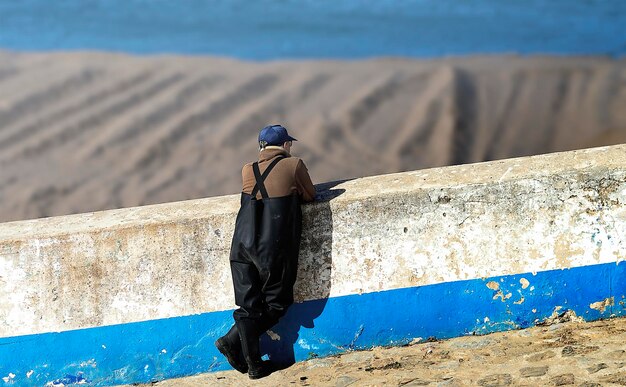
{"x": 157, "y": 349}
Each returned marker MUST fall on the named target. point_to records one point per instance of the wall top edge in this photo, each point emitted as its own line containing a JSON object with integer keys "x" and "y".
{"x": 491, "y": 172}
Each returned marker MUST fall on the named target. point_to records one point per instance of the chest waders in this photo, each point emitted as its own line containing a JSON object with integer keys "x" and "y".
{"x": 264, "y": 263}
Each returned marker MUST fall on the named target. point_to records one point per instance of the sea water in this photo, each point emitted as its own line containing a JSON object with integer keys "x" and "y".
{"x": 277, "y": 29}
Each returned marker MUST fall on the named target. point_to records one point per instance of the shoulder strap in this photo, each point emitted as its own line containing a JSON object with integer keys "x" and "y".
{"x": 260, "y": 179}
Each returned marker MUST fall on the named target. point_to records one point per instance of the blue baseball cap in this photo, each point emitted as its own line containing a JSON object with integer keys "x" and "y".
{"x": 275, "y": 135}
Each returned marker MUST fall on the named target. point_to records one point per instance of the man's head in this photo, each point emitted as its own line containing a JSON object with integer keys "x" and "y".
{"x": 275, "y": 135}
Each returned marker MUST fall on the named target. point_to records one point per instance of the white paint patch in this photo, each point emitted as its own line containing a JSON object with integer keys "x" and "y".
{"x": 303, "y": 344}
{"x": 104, "y": 346}
{"x": 163, "y": 351}
{"x": 29, "y": 373}
{"x": 524, "y": 282}
{"x": 9, "y": 378}
{"x": 121, "y": 372}
{"x": 601, "y": 306}
{"x": 273, "y": 335}
{"x": 486, "y": 320}
{"x": 89, "y": 363}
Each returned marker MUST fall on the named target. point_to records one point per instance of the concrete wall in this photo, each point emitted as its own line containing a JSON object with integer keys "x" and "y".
{"x": 140, "y": 294}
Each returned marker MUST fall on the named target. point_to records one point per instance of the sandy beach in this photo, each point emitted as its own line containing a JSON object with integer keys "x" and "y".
{"x": 88, "y": 131}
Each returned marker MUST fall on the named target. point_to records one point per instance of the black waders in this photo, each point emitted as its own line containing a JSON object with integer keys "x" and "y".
{"x": 263, "y": 262}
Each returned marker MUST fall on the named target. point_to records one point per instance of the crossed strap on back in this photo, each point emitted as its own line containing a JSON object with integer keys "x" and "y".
{"x": 260, "y": 179}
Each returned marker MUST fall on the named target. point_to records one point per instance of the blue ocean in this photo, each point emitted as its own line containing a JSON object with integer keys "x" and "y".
{"x": 278, "y": 29}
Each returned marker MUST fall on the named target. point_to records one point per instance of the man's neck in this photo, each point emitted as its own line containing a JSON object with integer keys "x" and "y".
{"x": 275, "y": 147}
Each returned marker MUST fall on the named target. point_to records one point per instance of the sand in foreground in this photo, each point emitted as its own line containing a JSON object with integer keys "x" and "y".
{"x": 570, "y": 353}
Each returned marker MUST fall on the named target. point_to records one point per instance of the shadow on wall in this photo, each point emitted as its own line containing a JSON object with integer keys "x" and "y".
{"x": 315, "y": 262}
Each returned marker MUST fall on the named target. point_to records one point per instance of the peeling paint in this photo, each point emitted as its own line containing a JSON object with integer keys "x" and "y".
{"x": 302, "y": 343}
{"x": 559, "y": 317}
{"x": 503, "y": 297}
{"x": 416, "y": 340}
{"x": 357, "y": 334}
{"x": 274, "y": 336}
{"x": 9, "y": 378}
{"x": 89, "y": 363}
{"x": 602, "y": 305}
{"x": 68, "y": 380}
{"x": 524, "y": 282}
{"x": 493, "y": 285}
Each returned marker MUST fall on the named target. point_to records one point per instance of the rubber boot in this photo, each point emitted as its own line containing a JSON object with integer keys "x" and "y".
{"x": 230, "y": 346}
{"x": 249, "y": 335}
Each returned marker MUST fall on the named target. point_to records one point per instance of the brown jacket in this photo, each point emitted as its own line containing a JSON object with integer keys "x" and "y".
{"x": 288, "y": 176}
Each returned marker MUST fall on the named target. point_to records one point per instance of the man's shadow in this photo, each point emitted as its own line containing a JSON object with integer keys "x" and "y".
{"x": 314, "y": 278}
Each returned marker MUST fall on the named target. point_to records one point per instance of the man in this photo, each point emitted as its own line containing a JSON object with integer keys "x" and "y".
{"x": 265, "y": 246}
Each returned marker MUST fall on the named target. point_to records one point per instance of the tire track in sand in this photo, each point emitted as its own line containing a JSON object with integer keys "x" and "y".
{"x": 65, "y": 113}
{"x": 94, "y": 121}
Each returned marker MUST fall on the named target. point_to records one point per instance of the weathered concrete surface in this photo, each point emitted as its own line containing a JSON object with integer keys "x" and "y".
{"x": 377, "y": 233}
{"x": 564, "y": 354}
